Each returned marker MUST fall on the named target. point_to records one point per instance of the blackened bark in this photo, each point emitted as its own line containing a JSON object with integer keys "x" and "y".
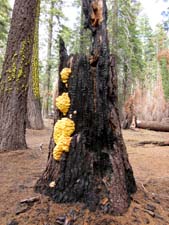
{"x": 16, "y": 67}
{"x": 97, "y": 165}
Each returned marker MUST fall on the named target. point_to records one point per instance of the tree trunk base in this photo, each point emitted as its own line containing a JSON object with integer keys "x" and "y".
{"x": 81, "y": 177}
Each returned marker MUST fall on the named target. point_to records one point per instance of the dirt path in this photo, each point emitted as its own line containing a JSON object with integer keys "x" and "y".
{"x": 148, "y": 161}
{"x": 21, "y": 169}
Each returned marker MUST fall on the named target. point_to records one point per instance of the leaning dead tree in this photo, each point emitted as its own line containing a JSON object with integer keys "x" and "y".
{"x": 95, "y": 165}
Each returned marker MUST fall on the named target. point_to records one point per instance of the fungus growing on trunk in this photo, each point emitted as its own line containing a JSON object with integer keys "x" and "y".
{"x": 65, "y": 73}
{"x": 63, "y": 103}
{"x": 63, "y": 130}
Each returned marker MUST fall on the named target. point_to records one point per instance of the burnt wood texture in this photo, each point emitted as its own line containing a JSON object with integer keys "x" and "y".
{"x": 97, "y": 165}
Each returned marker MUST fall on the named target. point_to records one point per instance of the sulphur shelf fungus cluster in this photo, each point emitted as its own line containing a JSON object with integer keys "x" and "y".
{"x": 64, "y": 127}
{"x": 65, "y": 73}
{"x": 63, "y": 103}
{"x": 63, "y": 130}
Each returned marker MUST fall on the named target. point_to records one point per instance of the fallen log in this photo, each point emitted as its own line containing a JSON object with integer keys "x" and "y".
{"x": 158, "y": 143}
{"x": 152, "y": 125}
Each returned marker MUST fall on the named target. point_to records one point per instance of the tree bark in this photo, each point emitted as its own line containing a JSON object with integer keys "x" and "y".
{"x": 34, "y": 115}
{"x": 13, "y": 83}
{"x": 97, "y": 165}
{"x": 152, "y": 125}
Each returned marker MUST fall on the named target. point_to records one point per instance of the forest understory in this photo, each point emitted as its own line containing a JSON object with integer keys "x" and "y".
{"x": 19, "y": 204}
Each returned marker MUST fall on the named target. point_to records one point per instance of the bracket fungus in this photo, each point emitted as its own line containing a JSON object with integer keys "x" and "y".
{"x": 63, "y": 103}
{"x": 65, "y": 73}
{"x": 63, "y": 130}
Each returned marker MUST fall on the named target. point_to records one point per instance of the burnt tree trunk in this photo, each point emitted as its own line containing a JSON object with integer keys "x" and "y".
{"x": 97, "y": 165}
{"x": 34, "y": 115}
{"x": 13, "y": 83}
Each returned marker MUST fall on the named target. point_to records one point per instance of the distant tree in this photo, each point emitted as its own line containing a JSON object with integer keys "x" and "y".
{"x": 34, "y": 115}
{"x": 49, "y": 57}
{"x": 149, "y": 53}
{"x": 15, "y": 73}
{"x": 125, "y": 44}
{"x": 54, "y": 14}
{"x": 164, "y": 67}
{"x": 81, "y": 36}
{"x": 4, "y": 25}
{"x": 163, "y": 57}
{"x": 165, "y": 15}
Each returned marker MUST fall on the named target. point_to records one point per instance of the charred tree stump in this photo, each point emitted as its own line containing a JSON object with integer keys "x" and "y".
{"x": 97, "y": 165}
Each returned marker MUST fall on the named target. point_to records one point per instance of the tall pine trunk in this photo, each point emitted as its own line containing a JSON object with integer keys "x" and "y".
{"x": 34, "y": 115}
{"x": 15, "y": 73}
{"x": 97, "y": 165}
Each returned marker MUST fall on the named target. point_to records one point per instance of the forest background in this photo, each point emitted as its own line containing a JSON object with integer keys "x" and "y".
{"x": 139, "y": 42}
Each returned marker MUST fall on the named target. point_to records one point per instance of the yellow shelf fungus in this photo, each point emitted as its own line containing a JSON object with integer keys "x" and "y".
{"x": 63, "y": 103}
{"x": 65, "y": 73}
{"x": 63, "y": 130}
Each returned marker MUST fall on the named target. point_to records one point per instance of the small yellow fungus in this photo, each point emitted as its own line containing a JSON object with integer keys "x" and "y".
{"x": 57, "y": 130}
{"x": 62, "y": 146}
{"x": 63, "y": 130}
{"x": 52, "y": 184}
{"x": 65, "y": 73}
{"x": 63, "y": 103}
{"x": 65, "y": 127}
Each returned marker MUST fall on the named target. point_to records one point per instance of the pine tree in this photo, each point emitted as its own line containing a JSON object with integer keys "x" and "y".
{"x": 4, "y": 25}
{"x": 15, "y": 73}
{"x": 34, "y": 115}
{"x": 125, "y": 44}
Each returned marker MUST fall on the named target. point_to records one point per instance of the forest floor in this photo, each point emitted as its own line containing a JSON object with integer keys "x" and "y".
{"x": 19, "y": 171}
